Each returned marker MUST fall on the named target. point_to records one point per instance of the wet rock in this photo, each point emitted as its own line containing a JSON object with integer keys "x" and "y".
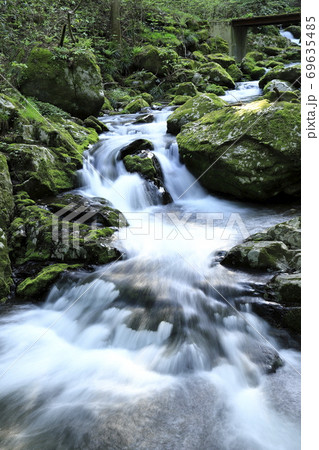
{"x": 249, "y": 65}
{"x": 135, "y": 147}
{"x": 186, "y": 89}
{"x": 146, "y": 118}
{"x": 286, "y": 288}
{"x": 5, "y": 268}
{"x": 142, "y": 81}
{"x": 193, "y": 110}
{"x": 146, "y": 164}
{"x": 295, "y": 30}
{"x": 291, "y": 74}
{"x": 34, "y": 288}
{"x": 136, "y": 105}
{"x": 215, "y": 73}
{"x": 158, "y": 61}
{"x": 6, "y": 196}
{"x": 250, "y": 151}
{"x": 97, "y": 125}
{"x": 36, "y": 234}
{"x": 258, "y": 255}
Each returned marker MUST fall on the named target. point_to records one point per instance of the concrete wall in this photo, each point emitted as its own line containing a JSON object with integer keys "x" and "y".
{"x": 235, "y": 36}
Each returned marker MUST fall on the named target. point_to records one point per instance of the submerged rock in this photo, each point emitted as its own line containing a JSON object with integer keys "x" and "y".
{"x": 250, "y": 151}
{"x": 73, "y": 84}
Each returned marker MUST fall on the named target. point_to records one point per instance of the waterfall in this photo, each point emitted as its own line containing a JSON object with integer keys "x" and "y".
{"x": 159, "y": 350}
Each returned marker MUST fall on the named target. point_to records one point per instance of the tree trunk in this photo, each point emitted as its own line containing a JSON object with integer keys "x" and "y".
{"x": 116, "y": 20}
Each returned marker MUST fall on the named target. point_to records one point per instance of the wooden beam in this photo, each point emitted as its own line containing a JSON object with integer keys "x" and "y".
{"x": 267, "y": 20}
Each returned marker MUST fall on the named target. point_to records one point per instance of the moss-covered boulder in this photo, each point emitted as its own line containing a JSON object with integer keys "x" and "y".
{"x": 50, "y": 147}
{"x": 180, "y": 100}
{"x": 192, "y": 110}
{"x": 34, "y": 288}
{"x": 199, "y": 56}
{"x": 38, "y": 171}
{"x": 6, "y": 196}
{"x": 235, "y": 72}
{"x": 73, "y": 84}
{"x": 142, "y": 81}
{"x": 159, "y": 61}
{"x": 218, "y": 45}
{"x": 249, "y": 65}
{"x": 263, "y": 255}
{"x": 136, "y": 105}
{"x": 97, "y": 125}
{"x": 216, "y": 74}
{"x": 40, "y": 236}
{"x": 295, "y": 30}
{"x": 148, "y": 167}
{"x": 278, "y": 85}
{"x": 120, "y": 97}
{"x": 278, "y": 90}
{"x": 250, "y": 151}
{"x": 144, "y": 163}
{"x": 5, "y": 268}
{"x": 186, "y": 89}
{"x": 285, "y": 288}
{"x": 135, "y": 147}
{"x": 287, "y": 232}
{"x": 214, "y": 89}
{"x": 275, "y": 249}
{"x": 224, "y": 60}
{"x": 291, "y": 74}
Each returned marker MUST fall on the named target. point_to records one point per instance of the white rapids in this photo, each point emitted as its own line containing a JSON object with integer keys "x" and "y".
{"x": 160, "y": 350}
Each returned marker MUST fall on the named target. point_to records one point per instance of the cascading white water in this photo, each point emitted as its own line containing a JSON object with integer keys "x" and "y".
{"x": 289, "y": 36}
{"x": 150, "y": 352}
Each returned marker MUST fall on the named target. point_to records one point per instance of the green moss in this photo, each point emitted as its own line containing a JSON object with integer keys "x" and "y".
{"x": 144, "y": 166}
{"x": 223, "y": 60}
{"x": 188, "y": 89}
{"x": 198, "y": 56}
{"x": 180, "y": 100}
{"x": 73, "y": 84}
{"x": 218, "y": 45}
{"x": 235, "y": 72}
{"x": 5, "y": 268}
{"x": 35, "y": 287}
{"x": 214, "y": 89}
{"x": 192, "y": 110}
{"x": 291, "y": 74}
{"x": 147, "y": 97}
{"x": 249, "y": 65}
{"x": 216, "y": 74}
{"x": 6, "y": 197}
{"x": 159, "y": 61}
{"x": 136, "y": 105}
{"x": 255, "y": 162}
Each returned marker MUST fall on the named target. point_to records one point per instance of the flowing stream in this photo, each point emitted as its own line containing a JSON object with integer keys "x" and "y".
{"x": 159, "y": 350}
